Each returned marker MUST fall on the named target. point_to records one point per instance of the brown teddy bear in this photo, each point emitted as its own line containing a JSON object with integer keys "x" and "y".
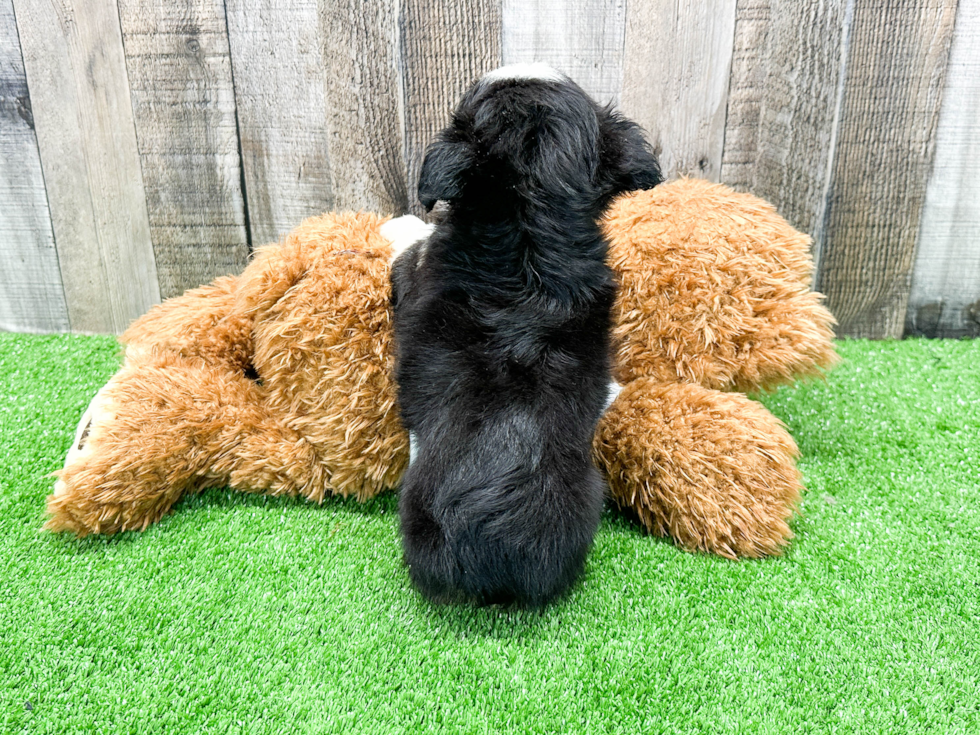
{"x": 279, "y": 381}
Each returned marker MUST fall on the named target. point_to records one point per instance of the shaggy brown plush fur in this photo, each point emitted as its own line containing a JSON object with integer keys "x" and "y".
{"x": 276, "y": 382}
{"x": 714, "y": 471}
{"x": 714, "y": 290}
{"x": 279, "y": 381}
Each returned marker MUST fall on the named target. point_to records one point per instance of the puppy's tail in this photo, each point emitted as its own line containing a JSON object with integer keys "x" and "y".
{"x": 431, "y": 564}
{"x": 534, "y": 550}
{"x": 520, "y": 543}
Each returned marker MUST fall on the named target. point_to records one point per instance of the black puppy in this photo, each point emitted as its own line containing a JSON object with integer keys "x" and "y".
{"x": 502, "y": 321}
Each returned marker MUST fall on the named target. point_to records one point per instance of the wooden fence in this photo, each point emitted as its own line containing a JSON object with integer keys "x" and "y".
{"x": 147, "y": 145}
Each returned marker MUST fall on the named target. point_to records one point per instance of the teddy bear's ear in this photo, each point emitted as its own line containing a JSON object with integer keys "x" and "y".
{"x": 442, "y": 172}
{"x": 628, "y": 163}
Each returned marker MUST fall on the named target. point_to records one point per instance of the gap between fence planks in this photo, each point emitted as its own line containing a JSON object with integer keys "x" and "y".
{"x": 443, "y": 49}
{"x": 883, "y": 155}
{"x": 676, "y": 69}
{"x": 277, "y": 63}
{"x": 32, "y": 297}
{"x": 945, "y": 296}
{"x": 76, "y": 72}
{"x": 183, "y": 103}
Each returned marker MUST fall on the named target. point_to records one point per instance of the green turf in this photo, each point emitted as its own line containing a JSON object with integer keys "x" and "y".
{"x": 247, "y": 614}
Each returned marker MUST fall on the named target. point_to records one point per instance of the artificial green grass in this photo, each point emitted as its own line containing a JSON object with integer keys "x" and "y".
{"x": 248, "y": 614}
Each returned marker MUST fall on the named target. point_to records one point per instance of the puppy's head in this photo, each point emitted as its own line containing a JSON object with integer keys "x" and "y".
{"x": 527, "y": 132}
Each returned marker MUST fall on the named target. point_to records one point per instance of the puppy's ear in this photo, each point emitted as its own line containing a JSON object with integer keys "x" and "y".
{"x": 628, "y": 162}
{"x": 442, "y": 172}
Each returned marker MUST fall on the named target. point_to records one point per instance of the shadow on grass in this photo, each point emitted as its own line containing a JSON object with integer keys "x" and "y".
{"x": 502, "y": 622}
{"x": 386, "y": 502}
{"x": 226, "y": 498}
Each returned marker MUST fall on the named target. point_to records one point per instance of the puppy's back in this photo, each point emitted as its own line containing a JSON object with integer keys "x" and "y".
{"x": 502, "y": 327}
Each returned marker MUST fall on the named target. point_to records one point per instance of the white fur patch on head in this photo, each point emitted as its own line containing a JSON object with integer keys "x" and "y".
{"x": 536, "y": 70}
{"x": 403, "y": 232}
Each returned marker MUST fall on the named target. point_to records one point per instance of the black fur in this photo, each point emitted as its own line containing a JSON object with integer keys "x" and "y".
{"x": 502, "y": 333}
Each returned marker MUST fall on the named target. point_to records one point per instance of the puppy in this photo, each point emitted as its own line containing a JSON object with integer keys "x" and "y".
{"x": 501, "y": 321}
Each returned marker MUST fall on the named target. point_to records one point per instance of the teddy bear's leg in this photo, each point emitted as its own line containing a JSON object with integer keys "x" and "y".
{"x": 153, "y": 433}
{"x": 267, "y": 456}
{"x": 108, "y": 483}
{"x": 715, "y": 471}
{"x": 202, "y": 323}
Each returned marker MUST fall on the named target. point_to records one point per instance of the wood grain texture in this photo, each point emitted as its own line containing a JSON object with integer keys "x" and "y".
{"x": 76, "y": 71}
{"x": 445, "y": 47}
{"x": 584, "y": 39}
{"x": 363, "y": 105}
{"x": 884, "y": 151}
{"x": 746, "y": 89}
{"x": 32, "y": 298}
{"x": 277, "y": 58}
{"x": 945, "y": 296}
{"x": 676, "y": 69}
{"x": 184, "y": 109}
{"x": 784, "y": 104}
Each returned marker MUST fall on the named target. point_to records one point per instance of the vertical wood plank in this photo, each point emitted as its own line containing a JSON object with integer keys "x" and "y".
{"x": 184, "y": 109}
{"x": 444, "y": 48}
{"x": 945, "y": 297}
{"x": 676, "y": 69}
{"x": 362, "y": 93}
{"x": 746, "y": 90}
{"x": 32, "y": 298}
{"x": 784, "y": 104}
{"x": 896, "y": 66}
{"x": 584, "y": 39}
{"x": 76, "y": 71}
{"x": 277, "y": 58}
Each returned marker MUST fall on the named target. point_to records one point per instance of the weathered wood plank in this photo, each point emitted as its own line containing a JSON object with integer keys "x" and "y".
{"x": 76, "y": 71}
{"x": 363, "y": 105}
{"x": 444, "y": 48}
{"x": 584, "y": 39}
{"x": 184, "y": 108}
{"x": 884, "y": 151}
{"x": 32, "y": 298}
{"x": 945, "y": 297}
{"x": 676, "y": 69}
{"x": 277, "y": 59}
{"x": 784, "y": 104}
{"x": 746, "y": 89}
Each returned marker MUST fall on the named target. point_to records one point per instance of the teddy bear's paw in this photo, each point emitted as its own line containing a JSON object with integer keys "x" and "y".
{"x": 403, "y": 232}
{"x": 148, "y": 437}
{"x": 715, "y": 471}
{"x": 79, "y": 511}
{"x": 100, "y": 411}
